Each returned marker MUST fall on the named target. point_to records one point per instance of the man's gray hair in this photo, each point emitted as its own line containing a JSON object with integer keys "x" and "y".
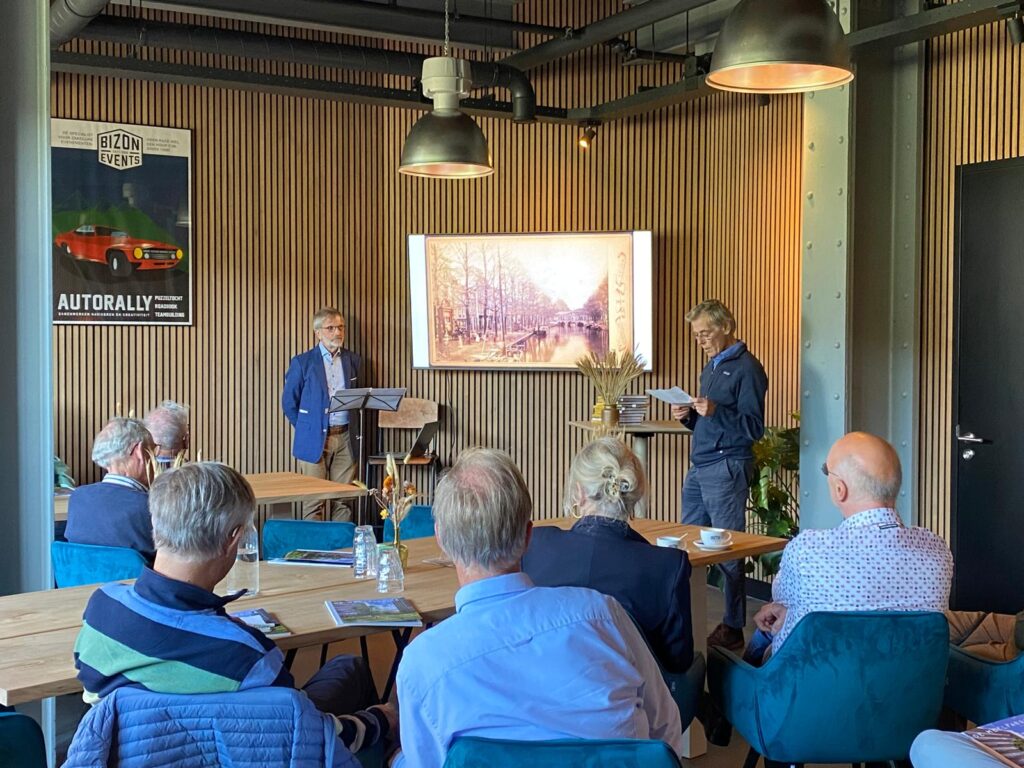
{"x": 610, "y": 478}
{"x": 482, "y": 510}
{"x": 117, "y": 438}
{"x": 196, "y": 508}
{"x": 168, "y": 423}
{"x": 322, "y": 314}
{"x": 716, "y": 312}
{"x": 863, "y": 484}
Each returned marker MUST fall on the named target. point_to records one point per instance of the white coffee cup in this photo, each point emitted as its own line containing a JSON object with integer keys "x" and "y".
{"x": 715, "y": 537}
{"x": 669, "y": 541}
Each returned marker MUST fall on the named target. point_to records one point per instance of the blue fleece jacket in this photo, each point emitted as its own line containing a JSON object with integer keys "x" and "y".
{"x": 737, "y": 387}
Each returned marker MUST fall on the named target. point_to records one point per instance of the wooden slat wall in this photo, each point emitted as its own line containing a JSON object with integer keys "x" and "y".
{"x": 298, "y": 203}
{"x": 974, "y": 113}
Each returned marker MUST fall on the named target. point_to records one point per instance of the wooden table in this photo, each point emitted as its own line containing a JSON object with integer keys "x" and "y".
{"x": 38, "y": 629}
{"x": 642, "y": 434}
{"x": 277, "y": 490}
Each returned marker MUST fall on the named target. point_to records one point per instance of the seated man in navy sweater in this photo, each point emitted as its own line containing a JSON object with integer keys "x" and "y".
{"x": 115, "y": 511}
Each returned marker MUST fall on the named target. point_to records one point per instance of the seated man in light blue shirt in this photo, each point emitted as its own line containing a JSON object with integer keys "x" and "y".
{"x": 942, "y": 749}
{"x": 518, "y": 661}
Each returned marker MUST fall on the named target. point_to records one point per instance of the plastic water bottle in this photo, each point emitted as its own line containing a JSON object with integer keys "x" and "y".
{"x": 245, "y": 574}
{"x": 364, "y": 552}
{"x": 390, "y": 576}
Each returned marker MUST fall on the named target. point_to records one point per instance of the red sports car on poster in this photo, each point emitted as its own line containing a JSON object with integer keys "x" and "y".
{"x": 118, "y": 250}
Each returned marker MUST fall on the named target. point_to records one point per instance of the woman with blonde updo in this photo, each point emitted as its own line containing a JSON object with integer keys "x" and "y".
{"x": 602, "y": 552}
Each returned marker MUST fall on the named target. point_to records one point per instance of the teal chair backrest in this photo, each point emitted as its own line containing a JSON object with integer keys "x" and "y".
{"x": 282, "y": 536}
{"x": 982, "y": 690}
{"x": 845, "y": 687}
{"x": 21, "y": 741}
{"x": 475, "y": 752}
{"x": 78, "y": 564}
{"x": 418, "y": 524}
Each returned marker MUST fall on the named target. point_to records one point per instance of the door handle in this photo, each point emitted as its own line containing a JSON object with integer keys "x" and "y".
{"x": 970, "y": 437}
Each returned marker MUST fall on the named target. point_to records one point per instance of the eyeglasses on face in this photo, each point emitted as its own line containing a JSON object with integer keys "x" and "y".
{"x": 332, "y": 328}
{"x": 705, "y": 335}
{"x": 826, "y": 471}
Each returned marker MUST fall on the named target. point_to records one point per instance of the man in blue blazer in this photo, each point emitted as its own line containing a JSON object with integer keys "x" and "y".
{"x": 324, "y": 445}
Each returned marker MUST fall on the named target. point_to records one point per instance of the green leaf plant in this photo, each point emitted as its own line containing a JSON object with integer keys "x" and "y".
{"x": 774, "y": 503}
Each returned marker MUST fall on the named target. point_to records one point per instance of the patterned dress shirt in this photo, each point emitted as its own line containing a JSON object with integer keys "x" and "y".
{"x": 871, "y": 562}
{"x": 335, "y": 372}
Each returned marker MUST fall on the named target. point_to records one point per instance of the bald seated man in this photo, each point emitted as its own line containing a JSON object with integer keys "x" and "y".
{"x": 870, "y": 562}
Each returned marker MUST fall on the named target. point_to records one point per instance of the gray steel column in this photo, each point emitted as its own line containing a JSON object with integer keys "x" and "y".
{"x": 885, "y": 309}
{"x": 26, "y": 377}
{"x": 824, "y": 299}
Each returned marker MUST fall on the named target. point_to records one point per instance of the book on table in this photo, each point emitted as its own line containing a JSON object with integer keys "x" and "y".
{"x": 342, "y": 557}
{"x": 1004, "y": 739}
{"x": 380, "y": 612}
{"x": 264, "y": 621}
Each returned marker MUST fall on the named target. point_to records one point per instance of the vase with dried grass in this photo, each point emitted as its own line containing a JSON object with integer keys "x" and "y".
{"x": 611, "y": 374}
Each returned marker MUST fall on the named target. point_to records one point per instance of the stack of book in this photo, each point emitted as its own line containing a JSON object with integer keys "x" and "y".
{"x": 382, "y": 612}
{"x": 632, "y": 409}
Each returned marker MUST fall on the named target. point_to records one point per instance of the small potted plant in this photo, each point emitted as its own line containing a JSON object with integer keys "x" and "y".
{"x": 611, "y": 374}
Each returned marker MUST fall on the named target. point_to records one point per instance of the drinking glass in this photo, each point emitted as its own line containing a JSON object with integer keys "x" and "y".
{"x": 364, "y": 553}
{"x": 390, "y": 576}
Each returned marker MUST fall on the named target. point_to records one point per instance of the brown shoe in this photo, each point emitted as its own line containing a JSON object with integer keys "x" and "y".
{"x": 726, "y": 637}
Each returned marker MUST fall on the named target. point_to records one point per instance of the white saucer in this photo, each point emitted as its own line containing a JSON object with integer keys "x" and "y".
{"x": 712, "y": 547}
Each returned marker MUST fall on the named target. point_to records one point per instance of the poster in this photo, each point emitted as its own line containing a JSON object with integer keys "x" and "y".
{"x": 122, "y": 233}
{"x": 527, "y": 301}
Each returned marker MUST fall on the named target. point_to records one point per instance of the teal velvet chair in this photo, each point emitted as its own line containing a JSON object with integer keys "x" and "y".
{"x": 418, "y": 524}
{"x": 982, "y": 690}
{"x": 21, "y": 741}
{"x": 78, "y": 564}
{"x": 282, "y": 536}
{"x": 475, "y": 752}
{"x": 845, "y": 687}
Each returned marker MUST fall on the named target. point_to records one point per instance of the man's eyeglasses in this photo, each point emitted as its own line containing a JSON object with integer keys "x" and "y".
{"x": 704, "y": 335}
{"x": 826, "y": 471}
{"x": 332, "y": 328}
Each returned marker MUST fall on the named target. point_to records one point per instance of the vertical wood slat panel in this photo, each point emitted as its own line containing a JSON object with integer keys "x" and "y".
{"x": 973, "y": 114}
{"x": 298, "y": 203}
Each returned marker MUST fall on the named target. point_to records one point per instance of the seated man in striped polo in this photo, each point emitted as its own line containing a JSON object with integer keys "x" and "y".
{"x": 169, "y": 633}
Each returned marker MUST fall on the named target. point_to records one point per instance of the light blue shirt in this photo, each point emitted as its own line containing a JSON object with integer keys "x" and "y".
{"x": 528, "y": 663}
{"x": 335, "y": 380}
{"x": 725, "y": 354}
{"x": 127, "y": 482}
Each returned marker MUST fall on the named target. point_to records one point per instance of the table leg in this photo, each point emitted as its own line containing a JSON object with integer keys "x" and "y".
{"x": 640, "y": 443}
{"x": 694, "y": 743}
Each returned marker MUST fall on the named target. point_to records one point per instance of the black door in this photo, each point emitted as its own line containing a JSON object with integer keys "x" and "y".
{"x": 988, "y": 389}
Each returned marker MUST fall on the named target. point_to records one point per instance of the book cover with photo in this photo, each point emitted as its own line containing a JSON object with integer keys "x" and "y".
{"x": 381, "y": 612}
{"x": 264, "y": 621}
{"x": 338, "y": 557}
{"x": 1004, "y": 739}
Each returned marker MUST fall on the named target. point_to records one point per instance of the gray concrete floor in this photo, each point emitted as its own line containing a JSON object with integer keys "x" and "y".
{"x": 70, "y": 708}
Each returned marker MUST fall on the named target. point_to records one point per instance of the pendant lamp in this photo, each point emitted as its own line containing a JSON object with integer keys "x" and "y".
{"x": 780, "y": 46}
{"x": 446, "y": 143}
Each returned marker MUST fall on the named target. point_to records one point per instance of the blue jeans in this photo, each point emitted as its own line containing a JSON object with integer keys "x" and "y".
{"x": 716, "y": 495}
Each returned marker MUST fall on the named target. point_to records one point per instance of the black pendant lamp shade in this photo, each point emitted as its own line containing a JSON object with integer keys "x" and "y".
{"x": 780, "y": 46}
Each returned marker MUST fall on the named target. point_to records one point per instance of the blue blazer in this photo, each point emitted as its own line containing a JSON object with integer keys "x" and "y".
{"x": 305, "y": 401}
{"x": 652, "y": 583}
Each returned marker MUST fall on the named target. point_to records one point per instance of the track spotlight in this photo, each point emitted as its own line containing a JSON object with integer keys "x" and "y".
{"x": 1015, "y": 26}
{"x": 587, "y": 137}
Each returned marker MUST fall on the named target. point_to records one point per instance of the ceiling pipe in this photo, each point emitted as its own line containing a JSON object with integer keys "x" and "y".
{"x": 363, "y": 18}
{"x": 114, "y": 29}
{"x": 600, "y": 31}
{"x": 212, "y": 77}
{"x": 68, "y": 17}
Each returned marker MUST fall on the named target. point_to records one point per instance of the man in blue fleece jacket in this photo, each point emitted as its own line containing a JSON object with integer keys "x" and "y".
{"x": 726, "y": 420}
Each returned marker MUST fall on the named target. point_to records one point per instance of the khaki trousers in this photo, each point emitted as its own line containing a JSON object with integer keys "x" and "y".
{"x": 988, "y": 635}
{"x": 336, "y": 465}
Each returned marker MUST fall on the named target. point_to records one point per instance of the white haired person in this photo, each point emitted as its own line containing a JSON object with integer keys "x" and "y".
{"x": 168, "y": 424}
{"x": 602, "y": 551}
{"x": 169, "y": 633}
{"x": 518, "y": 661}
{"x": 115, "y": 511}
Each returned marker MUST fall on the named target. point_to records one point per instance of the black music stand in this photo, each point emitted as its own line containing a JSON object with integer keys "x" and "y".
{"x": 363, "y": 399}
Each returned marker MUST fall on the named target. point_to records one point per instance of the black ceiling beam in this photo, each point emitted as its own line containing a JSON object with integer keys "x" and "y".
{"x": 644, "y": 101}
{"x": 158, "y": 71}
{"x": 600, "y": 31}
{"x": 933, "y": 22}
{"x": 364, "y": 18}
